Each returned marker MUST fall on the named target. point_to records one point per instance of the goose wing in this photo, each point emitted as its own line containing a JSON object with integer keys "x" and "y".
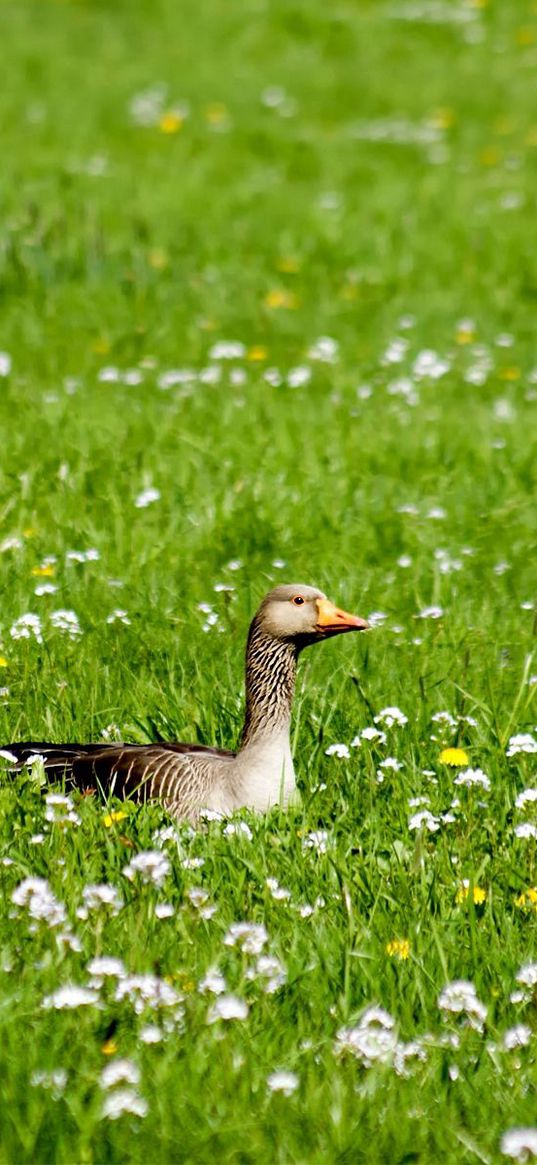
{"x": 172, "y": 772}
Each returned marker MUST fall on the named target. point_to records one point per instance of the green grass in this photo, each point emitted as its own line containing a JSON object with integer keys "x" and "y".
{"x": 125, "y": 246}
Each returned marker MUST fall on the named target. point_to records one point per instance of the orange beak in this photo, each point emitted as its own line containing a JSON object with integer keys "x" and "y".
{"x": 331, "y": 620}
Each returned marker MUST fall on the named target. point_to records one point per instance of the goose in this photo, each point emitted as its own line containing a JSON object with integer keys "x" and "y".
{"x": 189, "y": 779}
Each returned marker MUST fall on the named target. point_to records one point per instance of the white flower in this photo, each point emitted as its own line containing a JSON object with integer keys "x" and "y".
{"x": 5, "y": 364}
{"x": 392, "y": 764}
{"x": 523, "y": 742}
{"x": 282, "y": 1081}
{"x": 164, "y": 910}
{"x": 238, "y": 828}
{"x": 118, "y": 616}
{"x": 147, "y": 991}
{"x": 151, "y": 1034}
{"x": 430, "y": 613}
{"x": 146, "y": 497}
{"x": 373, "y": 734}
{"x": 55, "y": 1080}
{"x": 279, "y": 893}
{"x": 91, "y": 555}
{"x": 123, "y": 1100}
{"x": 324, "y": 349}
{"x": 152, "y": 866}
{"x": 517, "y": 1037}
{"x": 429, "y": 364}
{"x": 60, "y": 810}
{"x": 227, "y": 350}
{"x": 317, "y": 840}
{"x": 120, "y": 1072}
{"x": 45, "y": 589}
{"x": 250, "y": 937}
{"x": 424, "y": 820}
{"x": 213, "y": 983}
{"x": 473, "y": 777}
{"x": 373, "y": 1040}
{"x": 109, "y": 374}
{"x": 298, "y": 377}
{"x": 519, "y": 1144}
{"x": 376, "y": 618}
{"x": 528, "y": 975}
{"x": 105, "y": 967}
{"x": 35, "y": 895}
{"x": 339, "y": 750}
{"x": 228, "y": 1007}
{"x": 268, "y": 968}
{"x": 390, "y": 717}
{"x": 26, "y": 627}
{"x": 526, "y": 830}
{"x": 460, "y": 997}
{"x": 66, "y": 621}
{"x": 97, "y": 896}
{"x": 526, "y": 798}
{"x": 70, "y": 996}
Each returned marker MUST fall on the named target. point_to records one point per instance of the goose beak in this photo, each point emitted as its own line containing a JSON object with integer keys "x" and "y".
{"x": 331, "y": 620}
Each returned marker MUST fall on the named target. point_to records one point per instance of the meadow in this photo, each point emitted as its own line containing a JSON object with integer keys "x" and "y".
{"x": 268, "y": 285}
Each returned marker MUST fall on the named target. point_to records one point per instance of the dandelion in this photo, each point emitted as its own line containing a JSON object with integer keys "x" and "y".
{"x": 398, "y": 948}
{"x": 151, "y": 866}
{"x": 114, "y": 817}
{"x": 453, "y": 756}
{"x": 527, "y": 900}
{"x": 171, "y": 122}
{"x": 477, "y": 894}
{"x": 228, "y": 1007}
{"x": 283, "y": 1081}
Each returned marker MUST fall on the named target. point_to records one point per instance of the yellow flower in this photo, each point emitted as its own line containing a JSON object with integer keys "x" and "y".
{"x": 279, "y": 297}
{"x": 158, "y": 259}
{"x": 171, "y": 122}
{"x": 527, "y": 899}
{"x": 258, "y": 352}
{"x": 101, "y": 346}
{"x": 465, "y": 334}
{"x": 287, "y": 265}
{"x": 490, "y": 156}
{"x": 398, "y": 948}
{"x": 442, "y": 118}
{"x": 29, "y": 532}
{"x": 510, "y": 373}
{"x": 525, "y": 36}
{"x": 111, "y": 818}
{"x": 463, "y": 894}
{"x": 216, "y": 113}
{"x": 3, "y": 661}
{"x": 109, "y": 1048}
{"x": 454, "y": 757}
{"x": 45, "y": 571}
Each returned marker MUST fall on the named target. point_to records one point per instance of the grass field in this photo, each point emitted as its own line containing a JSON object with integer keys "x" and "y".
{"x": 269, "y": 283}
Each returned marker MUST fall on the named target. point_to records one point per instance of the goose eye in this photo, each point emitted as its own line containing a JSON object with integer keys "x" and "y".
{"x": 298, "y": 600}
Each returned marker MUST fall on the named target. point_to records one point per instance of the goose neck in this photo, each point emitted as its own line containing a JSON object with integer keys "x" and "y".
{"x": 270, "y": 685}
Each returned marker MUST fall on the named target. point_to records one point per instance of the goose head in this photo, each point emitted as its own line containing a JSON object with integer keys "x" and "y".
{"x": 301, "y": 615}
